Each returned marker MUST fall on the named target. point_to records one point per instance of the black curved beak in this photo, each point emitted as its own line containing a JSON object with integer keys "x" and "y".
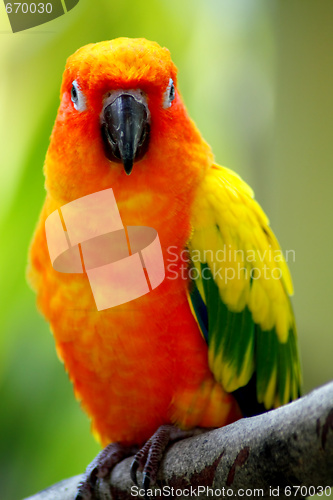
{"x": 125, "y": 129}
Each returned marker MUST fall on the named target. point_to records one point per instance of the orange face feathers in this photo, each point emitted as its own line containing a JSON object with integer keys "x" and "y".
{"x": 93, "y": 78}
{"x": 122, "y": 63}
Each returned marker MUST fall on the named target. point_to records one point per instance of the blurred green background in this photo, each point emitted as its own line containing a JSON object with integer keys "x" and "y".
{"x": 257, "y": 77}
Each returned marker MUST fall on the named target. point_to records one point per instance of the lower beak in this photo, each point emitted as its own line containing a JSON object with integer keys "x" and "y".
{"x": 125, "y": 129}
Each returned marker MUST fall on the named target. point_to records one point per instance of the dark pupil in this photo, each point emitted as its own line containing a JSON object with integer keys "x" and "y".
{"x": 172, "y": 92}
{"x": 74, "y": 94}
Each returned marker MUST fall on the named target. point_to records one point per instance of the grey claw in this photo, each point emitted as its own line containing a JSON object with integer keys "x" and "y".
{"x": 133, "y": 470}
{"x": 146, "y": 482}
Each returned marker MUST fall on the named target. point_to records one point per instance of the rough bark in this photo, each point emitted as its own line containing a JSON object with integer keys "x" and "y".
{"x": 274, "y": 454}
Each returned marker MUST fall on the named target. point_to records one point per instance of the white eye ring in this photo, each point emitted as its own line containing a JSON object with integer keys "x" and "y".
{"x": 78, "y": 99}
{"x": 169, "y": 94}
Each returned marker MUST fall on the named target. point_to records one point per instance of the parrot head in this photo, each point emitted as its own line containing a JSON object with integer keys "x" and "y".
{"x": 121, "y": 116}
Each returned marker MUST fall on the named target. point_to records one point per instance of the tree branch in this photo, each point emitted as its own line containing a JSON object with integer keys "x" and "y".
{"x": 273, "y": 453}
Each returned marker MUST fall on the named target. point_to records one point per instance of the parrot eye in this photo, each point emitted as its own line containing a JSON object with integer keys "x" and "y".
{"x": 172, "y": 91}
{"x": 169, "y": 95}
{"x": 77, "y": 97}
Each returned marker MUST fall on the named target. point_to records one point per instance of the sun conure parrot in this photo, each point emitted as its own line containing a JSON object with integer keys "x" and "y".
{"x": 216, "y": 340}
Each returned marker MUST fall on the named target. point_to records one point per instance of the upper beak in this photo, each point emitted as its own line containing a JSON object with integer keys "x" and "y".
{"x": 125, "y": 129}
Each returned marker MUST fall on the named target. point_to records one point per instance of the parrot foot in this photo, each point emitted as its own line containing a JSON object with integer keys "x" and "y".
{"x": 148, "y": 459}
{"x": 101, "y": 467}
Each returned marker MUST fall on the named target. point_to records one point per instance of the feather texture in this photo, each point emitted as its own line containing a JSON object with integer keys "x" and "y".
{"x": 244, "y": 281}
{"x": 145, "y": 363}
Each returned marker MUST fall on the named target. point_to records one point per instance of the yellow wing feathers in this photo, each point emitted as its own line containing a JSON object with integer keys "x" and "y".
{"x": 232, "y": 234}
{"x": 244, "y": 283}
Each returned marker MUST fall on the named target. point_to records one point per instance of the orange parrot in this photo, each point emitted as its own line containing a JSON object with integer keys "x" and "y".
{"x": 216, "y": 340}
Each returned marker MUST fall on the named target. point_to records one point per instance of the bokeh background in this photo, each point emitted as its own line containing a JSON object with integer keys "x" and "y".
{"x": 257, "y": 77}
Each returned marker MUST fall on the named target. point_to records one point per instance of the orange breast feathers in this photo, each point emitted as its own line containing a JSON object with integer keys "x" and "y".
{"x": 143, "y": 363}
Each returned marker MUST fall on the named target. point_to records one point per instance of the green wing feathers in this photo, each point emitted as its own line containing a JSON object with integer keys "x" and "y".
{"x": 244, "y": 283}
